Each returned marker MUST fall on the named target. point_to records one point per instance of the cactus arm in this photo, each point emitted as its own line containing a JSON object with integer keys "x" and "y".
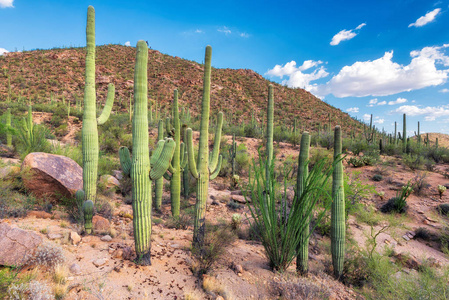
{"x": 338, "y": 226}
{"x": 157, "y": 153}
{"x": 161, "y": 165}
{"x": 108, "y": 106}
{"x": 217, "y": 139}
{"x": 191, "y": 154}
{"x": 170, "y": 168}
{"x": 184, "y": 158}
{"x": 168, "y": 127}
{"x": 215, "y": 173}
{"x": 125, "y": 160}
{"x": 167, "y": 176}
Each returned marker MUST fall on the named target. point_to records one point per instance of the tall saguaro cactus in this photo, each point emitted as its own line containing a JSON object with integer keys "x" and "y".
{"x": 207, "y": 166}
{"x": 89, "y": 130}
{"x": 404, "y": 133}
{"x": 338, "y": 226}
{"x": 302, "y": 259}
{"x": 140, "y": 168}
{"x": 179, "y": 160}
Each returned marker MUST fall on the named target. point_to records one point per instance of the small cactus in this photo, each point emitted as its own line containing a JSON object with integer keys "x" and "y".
{"x": 441, "y": 190}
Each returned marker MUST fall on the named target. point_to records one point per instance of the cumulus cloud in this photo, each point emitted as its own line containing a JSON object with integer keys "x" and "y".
{"x": 199, "y": 31}
{"x": 374, "y": 102}
{"x": 427, "y": 18}
{"x": 382, "y": 103}
{"x": 128, "y": 43}
{"x": 397, "y": 101}
{"x": 430, "y": 113}
{"x": 6, "y": 3}
{"x": 444, "y": 91}
{"x": 224, "y": 30}
{"x": 345, "y": 35}
{"x": 353, "y": 109}
{"x": 296, "y": 76}
{"x": 244, "y": 35}
{"x": 3, "y": 51}
{"x": 382, "y": 77}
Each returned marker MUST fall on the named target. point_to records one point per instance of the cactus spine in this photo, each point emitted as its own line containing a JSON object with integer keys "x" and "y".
{"x": 207, "y": 166}
{"x": 302, "y": 259}
{"x": 89, "y": 129}
{"x": 179, "y": 160}
{"x": 338, "y": 226}
{"x": 88, "y": 212}
{"x": 159, "y": 183}
{"x": 140, "y": 168}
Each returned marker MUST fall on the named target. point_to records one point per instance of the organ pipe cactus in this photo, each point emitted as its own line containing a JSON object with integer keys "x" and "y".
{"x": 89, "y": 130}
{"x": 159, "y": 183}
{"x": 179, "y": 160}
{"x": 302, "y": 259}
{"x": 88, "y": 212}
{"x": 207, "y": 166}
{"x": 140, "y": 168}
{"x": 338, "y": 226}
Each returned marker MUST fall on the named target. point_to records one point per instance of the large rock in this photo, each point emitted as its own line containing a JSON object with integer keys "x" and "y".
{"x": 52, "y": 176}
{"x": 16, "y": 245}
{"x": 109, "y": 181}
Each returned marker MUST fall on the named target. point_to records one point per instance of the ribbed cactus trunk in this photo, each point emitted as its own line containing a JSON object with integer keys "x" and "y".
{"x": 419, "y": 136}
{"x": 206, "y": 167}
{"x": 89, "y": 130}
{"x": 338, "y": 226}
{"x": 88, "y": 212}
{"x": 395, "y": 132}
{"x": 302, "y": 259}
{"x": 404, "y": 133}
{"x": 159, "y": 183}
{"x": 8, "y": 126}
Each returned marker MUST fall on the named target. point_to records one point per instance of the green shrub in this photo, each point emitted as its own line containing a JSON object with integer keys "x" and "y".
{"x": 399, "y": 203}
{"x": 377, "y": 177}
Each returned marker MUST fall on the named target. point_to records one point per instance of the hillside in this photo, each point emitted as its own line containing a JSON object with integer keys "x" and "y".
{"x": 37, "y": 74}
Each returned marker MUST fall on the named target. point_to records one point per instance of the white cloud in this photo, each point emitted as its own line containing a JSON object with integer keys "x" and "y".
{"x": 378, "y": 120}
{"x": 430, "y": 113}
{"x": 353, "y": 109}
{"x": 224, "y": 30}
{"x": 382, "y": 77}
{"x": 427, "y": 18}
{"x": 296, "y": 77}
{"x": 244, "y": 35}
{"x": 382, "y": 103}
{"x": 397, "y": 101}
{"x": 366, "y": 117}
{"x": 345, "y": 35}
{"x": 6, "y": 3}
{"x": 372, "y": 102}
{"x": 128, "y": 43}
{"x": 3, "y": 51}
{"x": 444, "y": 91}
{"x": 199, "y": 31}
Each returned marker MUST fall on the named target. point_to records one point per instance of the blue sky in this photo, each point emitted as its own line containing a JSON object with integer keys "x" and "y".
{"x": 380, "y": 57}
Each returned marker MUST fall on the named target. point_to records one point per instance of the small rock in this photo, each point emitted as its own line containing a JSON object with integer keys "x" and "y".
{"x": 238, "y": 198}
{"x": 54, "y": 236}
{"x": 99, "y": 262}
{"x": 219, "y": 298}
{"x": 75, "y": 238}
{"x": 238, "y": 268}
{"x": 109, "y": 181}
{"x": 118, "y": 253}
{"x": 70, "y": 278}
{"x": 117, "y": 174}
{"x": 106, "y": 238}
{"x": 100, "y": 224}
{"x": 236, "y": 192}
{"x": 176, "y": 246}
{"x": 75, "y": 269}
{"x": 39, "y": 214}
{"x": 405, "y": 237}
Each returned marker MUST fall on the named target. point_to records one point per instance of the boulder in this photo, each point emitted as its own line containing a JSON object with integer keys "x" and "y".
{"x": 109, "y": 181}
{"x": 52, "y": 176}
{"x": 16, "y": 245}
{"x": 100, "y": 224}
{"x": 239, "y": 199}
{"x": 75, "y": 238}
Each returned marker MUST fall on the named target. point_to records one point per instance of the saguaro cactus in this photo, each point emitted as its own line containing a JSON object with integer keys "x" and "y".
{"x": 232, "y": 154}
{"x": 89, "y": 130}
{"x": 302, "y": 259}
{"x": 140, "y": 168}
{"x": 88, "y": 212}
{"x": 159, "y": 183}
{"x": 8, "y": 126}
{"x": 404, "y": 133}
{"x": 338, "y": 226}
{"x": 207, "y": 166}
{"x": 179, "y": 160}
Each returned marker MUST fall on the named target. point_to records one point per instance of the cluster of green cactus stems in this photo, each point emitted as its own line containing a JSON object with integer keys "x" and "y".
{"x": 207, "y": 166}
{"x": 179, "y": 160}
{"x": 159, "y": 183}
{"x": 89, "y": 130}
{"x": 338, "y": 226}
{"x": 28, "y": 126}
{"x": 302, "y": 258}
{"x": 8, "y": 126}
{"x": 141, "y": 168}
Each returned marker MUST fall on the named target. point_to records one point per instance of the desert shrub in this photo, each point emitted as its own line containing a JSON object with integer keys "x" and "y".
{"x": 359, "y": 146}
{"x": 377, "y": 177}
{"x": 399, "y": 202}
{"x": 47, "y": 255}
{"x": 414, "y": 162}
{"x": 392, "y": 149}
{"x": 422, "y": 233}
{"x": 299, "y": 288}
{"x": 104, "y": 207}
{"x": 183, "y": 221}
{"x": 34, "y": 290}
{"x": 419, "y": 183}
{"x": 317, "y": 155}
{"x": 234, "y": 205}
{"x": 443, "y": 208}
{"x": 217, "y": 239}
{"x": 37, "y": 143}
